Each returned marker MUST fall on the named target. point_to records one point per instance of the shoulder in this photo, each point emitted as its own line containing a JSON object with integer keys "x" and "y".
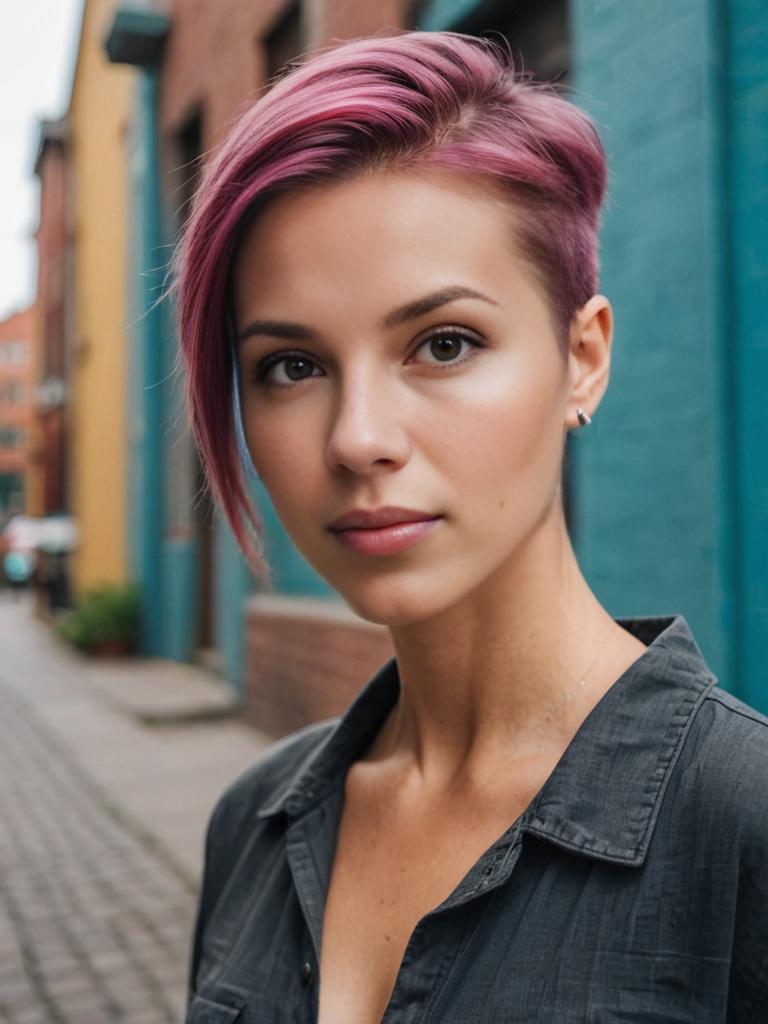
{"x": 234, "y": 823}
{"x": 739, "y": 732}
{"x": 272, "y": 774}
{"x": 725, "y": 762}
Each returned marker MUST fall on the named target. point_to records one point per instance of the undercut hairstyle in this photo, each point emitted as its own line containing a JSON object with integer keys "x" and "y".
{"x": 407, "y": 101}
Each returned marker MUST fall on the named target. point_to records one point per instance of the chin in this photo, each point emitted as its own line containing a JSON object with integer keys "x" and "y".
{"x": 392, "y": 602}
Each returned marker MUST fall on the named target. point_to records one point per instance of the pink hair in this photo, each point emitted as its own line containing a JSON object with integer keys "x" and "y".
{"x": 415, "y": 99}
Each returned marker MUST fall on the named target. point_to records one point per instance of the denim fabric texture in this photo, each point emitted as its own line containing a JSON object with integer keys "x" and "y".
{"x": 633, "y": 888}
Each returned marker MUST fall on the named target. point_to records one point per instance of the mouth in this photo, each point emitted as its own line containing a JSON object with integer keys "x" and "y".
{"x": 384, "y": 531}
{"x": 375, "y": 518}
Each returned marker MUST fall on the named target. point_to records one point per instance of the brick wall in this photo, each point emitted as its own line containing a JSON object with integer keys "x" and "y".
{"x": 54, "y": 252}
{"x": 17, "y": 397}
{"x": 347, "y": 19}
{"x": 306, "y": 658}
{"x": 215, "y": 59}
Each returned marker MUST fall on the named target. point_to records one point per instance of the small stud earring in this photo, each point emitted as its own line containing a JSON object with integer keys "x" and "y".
{"x": 584, "y": 418}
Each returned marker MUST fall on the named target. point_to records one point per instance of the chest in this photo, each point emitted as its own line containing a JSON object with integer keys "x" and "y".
{"x": 386, "y": 877}
{"x": 550, "y": 937}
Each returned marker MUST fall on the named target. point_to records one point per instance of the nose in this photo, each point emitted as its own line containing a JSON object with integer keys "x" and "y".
{"x": 367, "y": 431}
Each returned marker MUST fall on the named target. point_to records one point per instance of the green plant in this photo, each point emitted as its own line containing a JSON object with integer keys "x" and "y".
{"x": 106, "y": 619}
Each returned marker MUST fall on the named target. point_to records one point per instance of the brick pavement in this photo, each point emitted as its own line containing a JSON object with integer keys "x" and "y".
{"x": 101, "y": 826}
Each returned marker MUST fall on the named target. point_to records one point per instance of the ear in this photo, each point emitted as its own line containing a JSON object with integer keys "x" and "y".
{"x": 589, "y": 357}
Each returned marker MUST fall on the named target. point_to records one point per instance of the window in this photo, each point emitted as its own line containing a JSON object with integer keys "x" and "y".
{"x": 284, "y": 41}
{"x": 13, "y": 353}
{"x": 12, "y": 437}
{"x": 189, "y": 143}
{"x": 12, "y": 391}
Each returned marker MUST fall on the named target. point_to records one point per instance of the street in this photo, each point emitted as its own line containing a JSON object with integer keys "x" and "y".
{"x": 103, "y": 817}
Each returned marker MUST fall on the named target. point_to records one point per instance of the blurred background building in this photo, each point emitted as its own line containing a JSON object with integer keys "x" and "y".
{"x": 667, "y": 494}
{"x": 53, "y": 339}
{"x": 17, "y": 409}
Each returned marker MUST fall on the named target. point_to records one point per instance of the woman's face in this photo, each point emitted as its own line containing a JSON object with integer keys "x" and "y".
{"x": 397, "y": 351}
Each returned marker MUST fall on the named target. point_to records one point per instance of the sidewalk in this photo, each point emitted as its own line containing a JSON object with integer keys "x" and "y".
{"x": 108, "y": 773}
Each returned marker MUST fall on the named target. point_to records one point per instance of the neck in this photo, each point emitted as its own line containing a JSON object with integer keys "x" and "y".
{"x": 499, "y": 677}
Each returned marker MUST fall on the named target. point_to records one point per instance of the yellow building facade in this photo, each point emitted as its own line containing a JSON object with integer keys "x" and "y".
{"x": 99, "y": 113}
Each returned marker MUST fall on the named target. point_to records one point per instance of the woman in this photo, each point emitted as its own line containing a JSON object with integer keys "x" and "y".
{"x": 535, "y": 811}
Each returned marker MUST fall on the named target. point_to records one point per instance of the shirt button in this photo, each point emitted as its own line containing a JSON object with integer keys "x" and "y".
{"x": 306, "y": 973}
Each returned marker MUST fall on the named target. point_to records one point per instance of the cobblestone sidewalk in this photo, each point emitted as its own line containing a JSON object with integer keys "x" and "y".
{"x": 96, "y": 911}
{"x": 93, "y": 923}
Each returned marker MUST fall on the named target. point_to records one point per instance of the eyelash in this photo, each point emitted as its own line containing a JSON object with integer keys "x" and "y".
{"x": 259, "y": 375}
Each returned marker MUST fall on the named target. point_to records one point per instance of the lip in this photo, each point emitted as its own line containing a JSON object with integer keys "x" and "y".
{"x": 384, "y": 531}
{"x": 387, "y": 540}
{"x": 372, "y": 519}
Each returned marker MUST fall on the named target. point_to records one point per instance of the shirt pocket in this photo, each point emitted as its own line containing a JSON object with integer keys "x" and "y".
{"x": 660, "y": 988}
{"x": 204, "y": 1011}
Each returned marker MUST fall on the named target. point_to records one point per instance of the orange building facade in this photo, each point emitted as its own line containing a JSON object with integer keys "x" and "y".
{"x": 17, "y": 410}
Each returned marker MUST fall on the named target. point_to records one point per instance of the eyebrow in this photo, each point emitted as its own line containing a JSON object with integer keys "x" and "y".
{"x": 410, "y": 311}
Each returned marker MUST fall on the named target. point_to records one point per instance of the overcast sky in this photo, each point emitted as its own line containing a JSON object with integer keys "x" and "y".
{"x": 37, "y": 53}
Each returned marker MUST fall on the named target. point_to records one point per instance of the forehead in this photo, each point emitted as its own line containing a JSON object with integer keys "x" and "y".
{"x": 386, "y": 226}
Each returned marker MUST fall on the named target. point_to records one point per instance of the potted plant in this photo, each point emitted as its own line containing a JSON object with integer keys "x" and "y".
{"x": 105, "y": 621}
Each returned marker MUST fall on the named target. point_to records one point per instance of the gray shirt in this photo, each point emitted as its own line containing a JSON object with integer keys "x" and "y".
{"x": 632, "y": 889}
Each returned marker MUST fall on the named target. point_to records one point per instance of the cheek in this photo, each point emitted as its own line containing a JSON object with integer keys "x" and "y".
{"x": 497, "y": 433}
{"x": 281, "y": 454}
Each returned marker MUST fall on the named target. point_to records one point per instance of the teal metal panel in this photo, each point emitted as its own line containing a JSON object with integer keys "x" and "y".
{"x": 291, "y": 573}
{"x": 444, "y": 14}
{"x": 744, "y": 27}
{"x": 234, "y": 582}
{"x": 655, "y": 521}
{"x": 181, "y": 543}
{"x": 232, "y": 587}
{"x": 136, "y": 36}
{"x": 180, "y": 598}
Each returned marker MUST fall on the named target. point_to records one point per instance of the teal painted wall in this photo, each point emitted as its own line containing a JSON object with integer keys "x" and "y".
{"x": 674, "y": 471}
{"x": 291, "y": 573}
{"x": 444, "y": 14}
{"x": 654, "y": 528}
{"x": 232, "y": 586}
{"x": 179, "y": 598}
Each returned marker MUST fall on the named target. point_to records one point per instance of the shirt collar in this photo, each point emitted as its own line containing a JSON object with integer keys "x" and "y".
{"x": 604, "y": 795}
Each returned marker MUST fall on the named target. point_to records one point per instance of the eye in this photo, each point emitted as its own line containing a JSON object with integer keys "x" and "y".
{"x": 446, "y": 344}
{"x": 289, "y": 368}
